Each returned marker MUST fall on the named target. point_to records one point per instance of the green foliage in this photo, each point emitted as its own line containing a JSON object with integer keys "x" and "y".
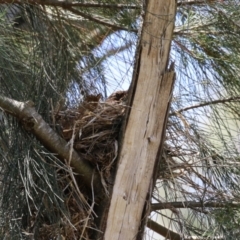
{"x": 47, "y": 55}
{"x": 229, "y": 218}
{"x": 61, "y": 54}
{"x": 203, "y": 129}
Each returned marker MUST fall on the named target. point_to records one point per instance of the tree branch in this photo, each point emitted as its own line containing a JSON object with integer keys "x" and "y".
{"x": 197, "y": 2}
{"x": 171, "y": 235}
{"x": 165, "y": 232}
{"x": 95, "y": 19}
{"x": 34, "y": 123}
{"x": 69, "y": 5}
{"x": 231, "y": 99}
{"x": 193, "y": 204}
{"x": 66, "y": 3}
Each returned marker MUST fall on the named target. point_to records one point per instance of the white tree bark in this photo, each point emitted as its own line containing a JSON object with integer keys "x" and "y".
{"x": 146, "y": 124}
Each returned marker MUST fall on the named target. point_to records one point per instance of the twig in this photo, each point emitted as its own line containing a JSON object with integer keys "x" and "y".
{"x": 231, "y": 99}
{"x": 94, "y": 19}
{"x": 171, "y": 235}
{"x": 69, "y": 6}
{"x": 197, "y": 2}
{"x": 66, "y": 3}
{"x": 193, "y": 204}
{"x": 165, "y": 232}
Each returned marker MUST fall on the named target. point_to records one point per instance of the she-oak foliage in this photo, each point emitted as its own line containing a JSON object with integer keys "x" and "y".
{"x": 57, "y": 53}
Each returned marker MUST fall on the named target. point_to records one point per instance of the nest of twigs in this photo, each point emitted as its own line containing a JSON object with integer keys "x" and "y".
{"x": 93, "y": 130}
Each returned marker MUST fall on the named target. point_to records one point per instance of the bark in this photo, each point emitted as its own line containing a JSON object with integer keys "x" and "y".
{"x": 146, "y": 124}
{"x": 34, "y": 123}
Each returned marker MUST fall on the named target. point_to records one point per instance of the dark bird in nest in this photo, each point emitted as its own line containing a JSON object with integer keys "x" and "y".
{"x": 118, "y": 97}
{"x": 89, "y": 104}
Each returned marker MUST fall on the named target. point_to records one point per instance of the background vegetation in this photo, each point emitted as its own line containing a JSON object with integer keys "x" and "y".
{"x": 58, "y": 53}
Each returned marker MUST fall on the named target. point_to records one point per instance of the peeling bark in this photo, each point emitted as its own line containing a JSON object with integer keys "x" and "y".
{"x": 145, "y": 130}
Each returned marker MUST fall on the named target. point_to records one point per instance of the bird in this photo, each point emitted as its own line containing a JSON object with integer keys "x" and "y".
{"x": 117, "y": 97}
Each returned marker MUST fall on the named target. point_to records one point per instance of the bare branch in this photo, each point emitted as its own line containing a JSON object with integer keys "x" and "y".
{"x": 113, "y": 51}
{"x": 67, "y": 5}
{"x": 89, "y": 5}
{"x": 34, "y": 123}
{"x": 97, "y": 20}
{"x": 193, "y": 204}
{"x": 226, "y": 100}
{"x": 57, "y": 3}
{"x": 171, "y": 235}
{"x": 197, "y": 2}
{"x": 165, "y": 232}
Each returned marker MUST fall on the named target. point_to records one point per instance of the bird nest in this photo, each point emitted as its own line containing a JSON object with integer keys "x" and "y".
{"x": 93, "y": 130}
{"x": 94, "y": 127}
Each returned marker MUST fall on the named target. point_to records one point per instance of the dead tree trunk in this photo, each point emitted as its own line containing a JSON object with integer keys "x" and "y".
{"x": 146, "y": 125}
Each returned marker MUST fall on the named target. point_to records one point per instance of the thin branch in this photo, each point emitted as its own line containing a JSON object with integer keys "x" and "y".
{"x": 197, "y": 2}
{"x": 92, "y": 5}
{"x": 193, "y": 204}
{"x": 119, "y": 6}
{"x": 226, "y": 100}
{"x": 69, "y": 6}
{"x": 66, "y": 3}
{"x": 89, "y": 5}
{"x": 97, "y": 20}
{"x": 57, "y": 3}
{"x": 34, "y": 123}
{"x": 171, "y": 235}
{"x": 165, "y": 232}
{"x": 113, "y": 51}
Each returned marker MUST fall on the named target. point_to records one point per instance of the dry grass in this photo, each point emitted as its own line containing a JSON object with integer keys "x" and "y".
{"x": 93, "y": 128}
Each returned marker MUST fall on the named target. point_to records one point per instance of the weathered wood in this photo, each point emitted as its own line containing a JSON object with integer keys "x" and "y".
{"x": 146, "y": 124}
